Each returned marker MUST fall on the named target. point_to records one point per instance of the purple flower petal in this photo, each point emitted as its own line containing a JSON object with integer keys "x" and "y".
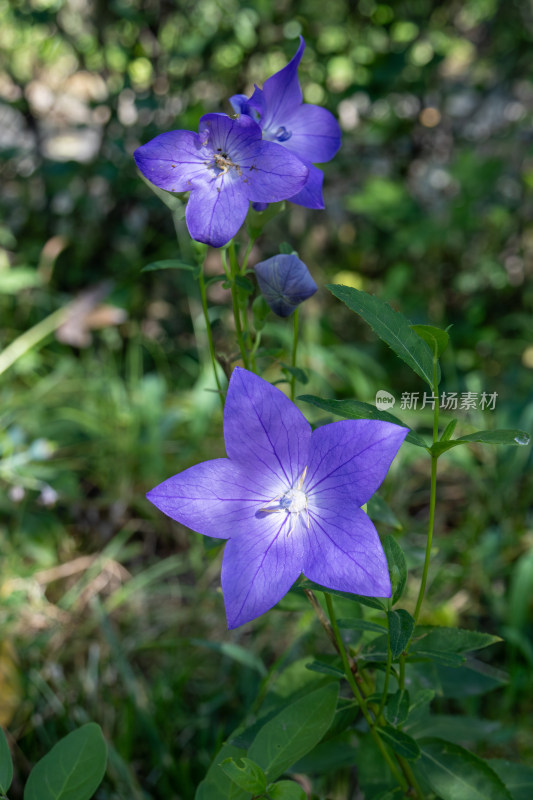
{"x": 217, "y": 498}
{"x": 258, "y": 570}
{"x": 270, "y": 174}
{"x": 311, "y": 194}
{"x": 282, "y": 92}
{"x": 350, "y": 458}
{"x": 264, "y": 432}
{"x": 285, "y": 282}
{"x": 314, "y": 133}
{"x": 343, "y": 550}
{"x": 174, "y": 161}
{"x": 216, "y": 210}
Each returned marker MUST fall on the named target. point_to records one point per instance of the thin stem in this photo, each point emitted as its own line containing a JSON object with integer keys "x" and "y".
{"x": 234, "y": 270}
{"x": 27, "y": 340}
{"x": 359, "y": 697}
{"x": 209, "y": 332}
{"x": 433, "y": 492}
{"x": 387, "y": 673}
{"x": 251, "y": 243}
{"x": 294, "y": 352}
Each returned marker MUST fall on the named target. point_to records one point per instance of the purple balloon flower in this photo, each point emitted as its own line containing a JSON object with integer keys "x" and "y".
{"x": 285, "y": 282}
{"x": 224, "y": 166}
{"x": 287, "y": 499}
{"x": 310, "y": 132}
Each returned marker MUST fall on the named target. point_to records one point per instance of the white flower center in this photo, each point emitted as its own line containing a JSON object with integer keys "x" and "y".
{"x": 294, "y": 501}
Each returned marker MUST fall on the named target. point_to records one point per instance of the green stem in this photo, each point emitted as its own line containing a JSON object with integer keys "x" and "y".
{"x": 251, "y": 243}
{"x": 294, "y": 352}
{"x": 433, "y": 493}
{"x": 387, "y": 674}
{"x": 30, "y": 338}
{"x": 209, "y": 332}
{"x": 359, "y": 697}
{"x": 234, "y": 270}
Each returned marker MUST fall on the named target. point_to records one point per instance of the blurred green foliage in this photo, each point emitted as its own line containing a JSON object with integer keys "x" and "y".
{"x": 429, "y": 204}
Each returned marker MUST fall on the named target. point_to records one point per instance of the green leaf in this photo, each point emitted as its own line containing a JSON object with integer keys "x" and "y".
{"x": 294, "y": 731}
{"x": 249, "y": 776}
{"x": 448, "y": 431}
{"x": 456, "y": 774}
{"x": 356, "y": 409}
{"x": 397, "y": 566}
{"x": 6, "y": 764}
{"x": 298, "y": 373}
{"x": 438, "y": 656}
{"x": 401, "y": 627}
{"x": 325, "y": 669}
{"x": 371, "y": 602}
{"x": 245, "y": 284}
{"x": 518, "y": 778}
{"x": 217, "y": 785}
{"x": 359, "y": 625}
{"x": 286, "y": 790}
{"x": 506, "y": 437}
{"x": 450, "y": 640}
{"x": 379, "y": 511}
{"x": 236, "y": 652}
{"x": 401, "y": 742}
{"x": 72, "y": 770}
{"x": 287, "y": 249}
{"x": 397, "y": 708}
{"x": 391, "y": 327}
{"x": 436, "y": 338}
{"x": 170, "y": 263}
{"x": 15, "y": 279}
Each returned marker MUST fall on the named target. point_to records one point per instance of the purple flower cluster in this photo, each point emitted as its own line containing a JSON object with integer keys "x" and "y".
{"x": 287, "y": 499}
{"x": 264, "y": 156}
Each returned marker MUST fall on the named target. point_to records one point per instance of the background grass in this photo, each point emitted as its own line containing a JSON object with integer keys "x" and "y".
{"x": 111, "y": 612}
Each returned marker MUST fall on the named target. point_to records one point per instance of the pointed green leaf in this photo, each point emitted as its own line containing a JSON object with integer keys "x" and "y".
{"x": 448, "y": 431}
{"x": 379, "y": 511}
{"x": 456, "y": 774}
{"x": 172, "y": 201}
{"x": 245, "y": 773}
{"x": 217, "y": 785}
{"x": 391, "y": 327}
{"x": 170, "y": 263}
{"x": 397, "y": 566}
{"x": 401, "y": 742}
{"x": 401, "y": 627}
{"x": 245, "y": 284}
{"x": 436, "y": 338}
{"x": 450, "y": 640}
{"x": 294, "y": 731}
{"x": 356, "y": 409}
{"x": 6, "y": 764}
{"x": 325, "y": 669}
{"x": 286, "y": 790}
{"x": 360, "y": 625}
{"x": 371, "y": 602}
{"x": 72, "y": 770}
{"x": 298, "y": 373}
{"x": 518, "y": 778}
{"x": 441, "y": 657}
{"x": 506, "y": 437}
{"x": 397, "y": 708}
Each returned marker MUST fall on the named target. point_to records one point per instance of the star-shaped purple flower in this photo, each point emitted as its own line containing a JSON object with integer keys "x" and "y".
{"x": 288, "y": 500}
{"x": 309, "y": 131}
{"x": 225, "y": 165}
{"x": 285, "y": 282}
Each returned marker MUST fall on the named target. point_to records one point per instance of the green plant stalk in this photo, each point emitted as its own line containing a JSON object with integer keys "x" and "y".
{"x": 234, "y": 271}
{"x": 433, "y": 493}
{"x": 387, "y": 673}
{"x": 359, "y": 697}
{"x": 30, "y": 338}
{"x": 294, "y": 351}
{"x": 251, "y": 243}
{"x": 209, "y": 332}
